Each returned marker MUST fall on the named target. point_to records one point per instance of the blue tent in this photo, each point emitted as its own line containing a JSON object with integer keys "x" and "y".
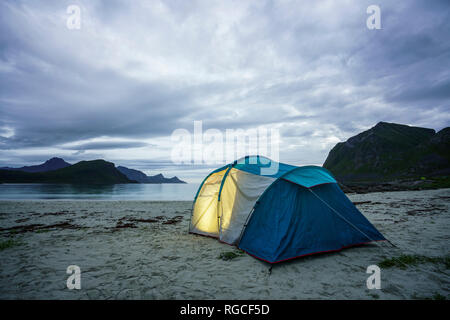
{"x": 276, "y": 212}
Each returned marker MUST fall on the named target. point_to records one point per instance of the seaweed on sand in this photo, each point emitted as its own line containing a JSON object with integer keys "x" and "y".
{"x": 36, "y": 227}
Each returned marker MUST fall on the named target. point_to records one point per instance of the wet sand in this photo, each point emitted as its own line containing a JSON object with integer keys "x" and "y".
{"x": 142, "y": 250}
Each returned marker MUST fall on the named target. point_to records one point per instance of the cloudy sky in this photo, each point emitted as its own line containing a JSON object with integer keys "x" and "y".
{"x": 135, "y": 71}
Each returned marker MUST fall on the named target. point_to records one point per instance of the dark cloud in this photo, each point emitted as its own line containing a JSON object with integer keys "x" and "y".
{"x": 417, "y": 93}
{"x": 137, "y": 71}
{"x": 108, "y": 145}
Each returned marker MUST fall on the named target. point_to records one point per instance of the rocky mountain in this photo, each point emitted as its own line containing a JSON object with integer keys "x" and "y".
{"x": 175, "y": 180}
{"x": 49, "y": 165}
{"x": 89, "y": 172}
{"x": 83, "y": 172}
{"x": 132, "y": 174}
{"x": 141, "y": 177}
{"x": 390, "y": 151}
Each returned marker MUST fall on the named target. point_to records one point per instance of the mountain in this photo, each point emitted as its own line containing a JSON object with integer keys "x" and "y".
{"x": 56, "y": 170}
{"x": 141, "y": 177}
{"x": 132, "y": 174}
{"x": 85, "y": 172}
{"x": 49, "y": 165}
{"x": 390, "y": 151}
{"x": 156, "y": 178}
{"x": 174, "y": 180}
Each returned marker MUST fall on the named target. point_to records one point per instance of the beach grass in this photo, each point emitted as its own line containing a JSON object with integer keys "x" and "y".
{"x": 436, "y": 296}
{"x": 404, "y": 261}
{"x": 9, "y": 243}
{"x": 230, "y": 255}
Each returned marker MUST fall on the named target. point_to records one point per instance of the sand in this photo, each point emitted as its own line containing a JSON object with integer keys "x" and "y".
{"x": 158, "y": 259}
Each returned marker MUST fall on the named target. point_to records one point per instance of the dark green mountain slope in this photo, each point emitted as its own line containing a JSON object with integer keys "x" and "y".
{"x": 86, "y": 172}
{"x": 391, "y": 151}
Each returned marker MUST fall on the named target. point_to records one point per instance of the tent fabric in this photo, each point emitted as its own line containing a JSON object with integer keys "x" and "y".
{"x": 290, "y": 221}
{"x": 239, "y": 194}
{"x": 276, "y": 216}
{"x": 309, "y": 176}
{"x": 262, "y": 166}
{"x": 224, "y": 168}
{"x": 205, "y": 213}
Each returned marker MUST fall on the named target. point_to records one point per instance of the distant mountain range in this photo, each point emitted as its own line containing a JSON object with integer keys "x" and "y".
{"x": 49, "y": 165}
{"x": 391, "y": 151}
{"x": 85, "y": 172}
{"x": 56, "y": 170}
{"x": 385, "y": 153}
{"x": 141, "y": 177}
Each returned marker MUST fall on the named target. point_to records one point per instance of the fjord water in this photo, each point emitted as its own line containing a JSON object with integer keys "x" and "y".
{"x": 131, "y": 191}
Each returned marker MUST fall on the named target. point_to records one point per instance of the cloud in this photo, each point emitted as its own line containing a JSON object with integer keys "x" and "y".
{"x": 416, "y": 93}
{"x": 102, "y": 145}
{"x": 137, "y": 71}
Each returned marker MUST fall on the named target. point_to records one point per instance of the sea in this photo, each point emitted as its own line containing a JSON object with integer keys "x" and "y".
{"x": 130, "y": 191}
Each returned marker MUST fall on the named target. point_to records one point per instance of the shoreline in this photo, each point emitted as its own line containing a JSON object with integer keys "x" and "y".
{"x": 346, "y": 191}
{"x": 363, "y": 188}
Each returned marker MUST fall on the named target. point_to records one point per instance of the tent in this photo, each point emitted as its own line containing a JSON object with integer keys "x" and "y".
{"x": 277, "y": 215}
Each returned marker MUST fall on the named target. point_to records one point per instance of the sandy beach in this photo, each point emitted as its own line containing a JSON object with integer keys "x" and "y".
{"x": 142, "y": 250}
